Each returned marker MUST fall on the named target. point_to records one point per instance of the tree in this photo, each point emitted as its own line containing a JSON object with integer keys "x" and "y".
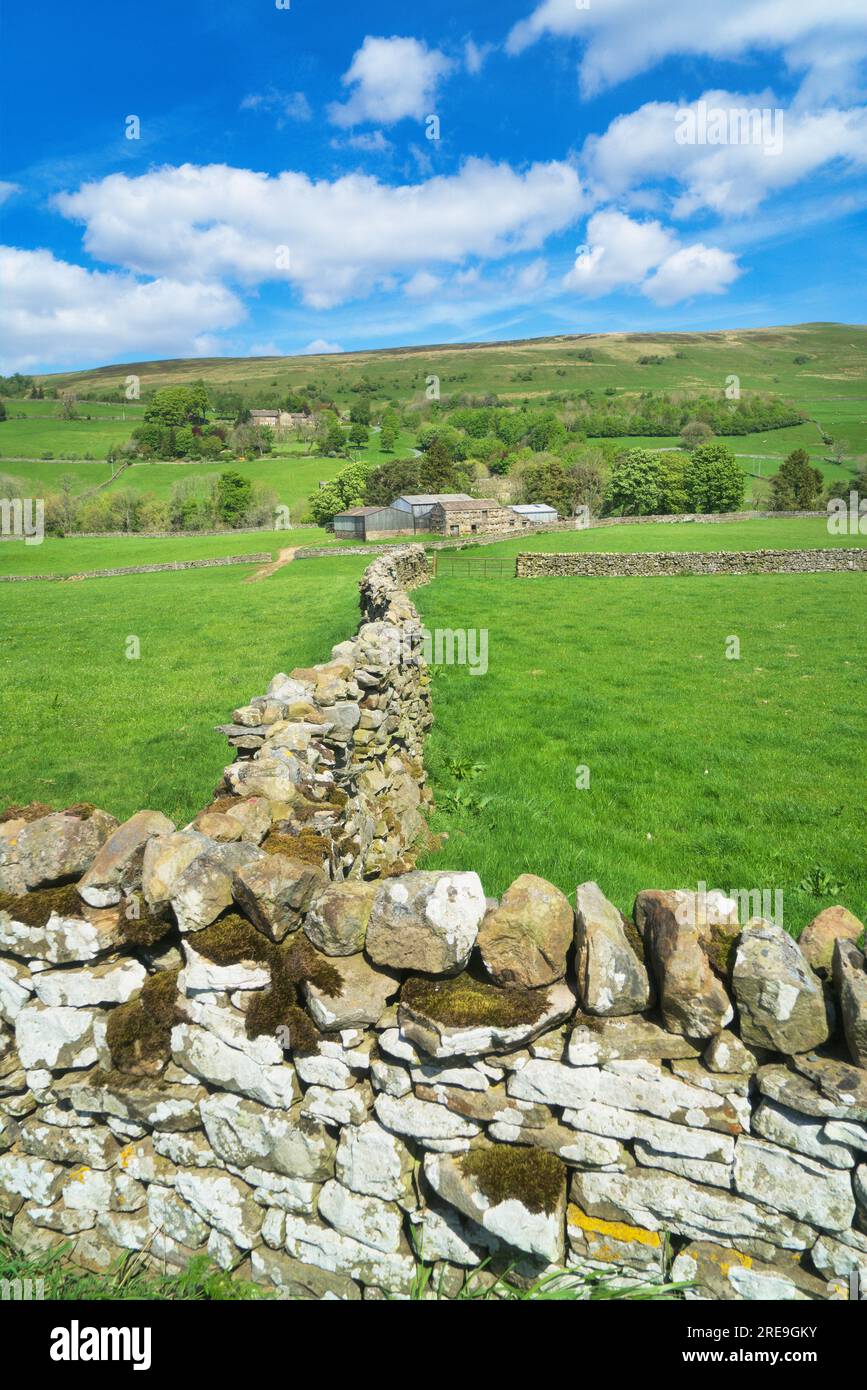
{"x": 546, "y": 480}
{"x": 68, "y": 408}
{"x": 393, "y": 479}
{"x": 359, "y": 414}
{"x": 637, "y": 484}
{"x": 334, "y": 441}
{"x": 346, "y": 490}
{"x": 178, "y": 405}
{"x": 234, "y": 495}
{"x": 798, "y": 485}
{"x": 436, "y": 473}
{"x": 387, "y": 436}
{"x": 358, "y": 435}
{"x": 695, "y": 432}
{"x": 714, "y": 480}
{"x": 2, "y": 411}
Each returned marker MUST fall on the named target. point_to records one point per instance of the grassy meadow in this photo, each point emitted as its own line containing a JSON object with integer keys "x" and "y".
{"x": 83, "y": 722}
{"x": 744, "y": 774}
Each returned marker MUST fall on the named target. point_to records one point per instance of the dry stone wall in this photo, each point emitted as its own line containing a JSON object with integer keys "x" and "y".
{"x": 267, "y": 1037}
{"x": 609, "y": 565}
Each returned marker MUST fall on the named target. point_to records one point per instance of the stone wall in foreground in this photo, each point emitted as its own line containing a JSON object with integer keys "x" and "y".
{"x": 609, "y": 565}
{"x": 246, "y": 1038}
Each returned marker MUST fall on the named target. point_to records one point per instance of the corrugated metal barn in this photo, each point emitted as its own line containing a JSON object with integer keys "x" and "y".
{"x": 371, "y": 523}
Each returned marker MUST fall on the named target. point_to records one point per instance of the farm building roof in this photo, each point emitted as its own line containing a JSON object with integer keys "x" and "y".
{"x": 424, "y": 497}
{"x": 532, "y": 508}
{"x": 362, "y": 511}
{"x": 470, "y": 504}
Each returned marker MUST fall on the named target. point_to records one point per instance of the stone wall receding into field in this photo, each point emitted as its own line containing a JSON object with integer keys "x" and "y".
{"x": 267, "y": 1037}
{"x": 591, "y": 564}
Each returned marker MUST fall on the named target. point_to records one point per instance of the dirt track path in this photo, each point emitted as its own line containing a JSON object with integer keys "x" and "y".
{"x": 284, "y": 557}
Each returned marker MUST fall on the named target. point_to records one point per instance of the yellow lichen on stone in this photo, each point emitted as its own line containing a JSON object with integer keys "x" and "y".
{"x": 615, "y": 1230}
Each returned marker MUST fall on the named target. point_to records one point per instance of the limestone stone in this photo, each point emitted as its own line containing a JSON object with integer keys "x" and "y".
{"x": 695, "y": 1169}
{"x": 422, "y": 1120}
{"x": 818, "y": 938}
{"x": 664, "y": 1136}
{"x": 850, "y": 981}
{"x": 337, "y": 920}
{"x": 727, "y": 1053}
{"x": 361, "y": 999}
{"x": 443, "y": 1040}
{"x": 374, "y": 1222}
{"x": 275, "y": 891}
{"x": 169, "y": 1214}
{"x": 59, "y": 1038}
{"x": 16, "y": 989}
{"x": 426, "y": 921}
{"x": 112, "y": 982}
{"x": 805, "y": 1135}
{"x": 94, "y": 1145}
{"x": 792, "y": 1183}
{"x": 585, "y": 1150}
{"x": 516, "y": 1220}
{"x": 613, "y": 1246}
{"x": 660, "y": 1201}
{"x": 842, "y": 1086}
{"x": 717, "y": 1272}
{"x": 156, "y": 1102}
{"x": 202, "y": 975}
{"x": 61, "y": 846}
{"x": 229, "y": 1069}
{"x": 599, "y": 1040}
{"x": 203, "y": 891}
{"x": 780, "y": 1000}
{"x": 691, "y": 998}
{"x": 35, "y": 1179}
{"x": 165, "y": 859}
{"x": 325, "y": 1248}
{"x": 241, "y": 1132}
{"x": 116, "y": 869}
{"x": 525, "y": 940}
{"x": 373, "y": 1161}
{"x": 338, "y": 1107}
{"x": 611, "y": 978}
{"x": 223, "y": 1201}
{"x": 63, "y": 940}
{"x": 296, "y": 1280}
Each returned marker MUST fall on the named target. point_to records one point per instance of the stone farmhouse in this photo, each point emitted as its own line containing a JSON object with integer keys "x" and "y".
{"x": 282, "y": 419}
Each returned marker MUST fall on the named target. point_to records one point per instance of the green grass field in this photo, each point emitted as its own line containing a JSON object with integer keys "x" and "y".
{"x": 744, "y": 774}
{"x": 772, "y": 533}
{"x": 78, "y": 554}
{"x": 82, "y": 722}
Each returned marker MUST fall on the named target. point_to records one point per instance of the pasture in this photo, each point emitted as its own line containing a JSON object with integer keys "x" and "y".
{"x": 744, "y": 774}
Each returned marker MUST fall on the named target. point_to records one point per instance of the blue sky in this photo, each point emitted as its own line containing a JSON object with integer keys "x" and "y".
{"x": 593, "y": 168}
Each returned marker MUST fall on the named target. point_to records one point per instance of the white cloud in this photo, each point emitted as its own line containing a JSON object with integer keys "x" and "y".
{"x": 622, "y": 253}
{"x": 622, "y": 37}
{"x": 422, "y": 285}
{"x": 345, "y": 237}
{"x": 7, "y": 190}
{"x": 392, "y": 78}
{"x": 53, "y": 311}
{"x": 475, "y": 55}
{"x": 369, "y": 142}
{"x": 691, "y": 270}
{"x": 318, "y": 347}
{"x": 732, "y": 178}
{"x": 619, "y": 252}
{"x": 287, "y": 106}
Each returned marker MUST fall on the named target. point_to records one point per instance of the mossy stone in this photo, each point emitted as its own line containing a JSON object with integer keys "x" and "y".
{"x": 512, "y": 1172}
{"x": 463, "y": 1001}
{"x": 138, "y": 1033}
{"x": 34, "y": 909}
